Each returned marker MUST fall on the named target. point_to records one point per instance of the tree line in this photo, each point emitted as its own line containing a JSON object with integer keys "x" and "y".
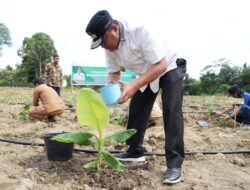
{"x": 217, "y": 78}
{"x": 37, "y": 51}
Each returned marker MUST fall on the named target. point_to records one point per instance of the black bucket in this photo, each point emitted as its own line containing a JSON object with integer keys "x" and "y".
{"x": 57, "y": 151}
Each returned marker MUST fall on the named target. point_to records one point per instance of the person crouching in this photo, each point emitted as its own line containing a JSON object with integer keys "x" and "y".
{"x": 51, "y": 104}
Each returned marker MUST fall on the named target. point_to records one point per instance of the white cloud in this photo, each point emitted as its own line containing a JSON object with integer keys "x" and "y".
{"x": 202, "y": 30}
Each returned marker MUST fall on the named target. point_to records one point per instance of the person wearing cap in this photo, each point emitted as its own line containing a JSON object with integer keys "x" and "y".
{"x": 51, "y": 104}
{"x": 53, "y": 74}
{"x": 136, "y": 49}
{"x": 239, "y": 112}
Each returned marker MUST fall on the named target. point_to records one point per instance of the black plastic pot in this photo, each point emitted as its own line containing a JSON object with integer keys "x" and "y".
{"x": 57, "y": 151}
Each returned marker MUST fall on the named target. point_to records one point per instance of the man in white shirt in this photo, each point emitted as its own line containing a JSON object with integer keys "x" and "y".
{"x": 79, "y": 76}
{"x": 136, "y": 49}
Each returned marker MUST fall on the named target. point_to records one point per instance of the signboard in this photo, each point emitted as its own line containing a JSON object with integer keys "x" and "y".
{"x": 83, "y": 75}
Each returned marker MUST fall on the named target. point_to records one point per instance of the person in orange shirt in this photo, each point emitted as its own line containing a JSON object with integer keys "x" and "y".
{"x": 51, "y": 104}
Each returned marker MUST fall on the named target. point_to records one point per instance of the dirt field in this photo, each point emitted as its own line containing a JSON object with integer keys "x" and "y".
{"x": 27, "y": 167}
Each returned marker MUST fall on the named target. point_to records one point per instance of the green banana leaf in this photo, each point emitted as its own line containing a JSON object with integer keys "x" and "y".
{"x": 112, "y": 161}
{"x": 121, "y": 136}
{"x": 91, "y": 109}
{"x": 78, "y": 138}
{"x": 90, "y": 165}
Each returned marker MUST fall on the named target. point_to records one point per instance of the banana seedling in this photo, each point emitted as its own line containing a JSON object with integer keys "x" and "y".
{"x": 92, "y": 112}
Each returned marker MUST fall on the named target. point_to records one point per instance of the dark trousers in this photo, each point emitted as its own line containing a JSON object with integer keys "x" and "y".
{"x": 140, "y": 109}
{"x": 57, "y": 89}
{"x": 243, "y": 116}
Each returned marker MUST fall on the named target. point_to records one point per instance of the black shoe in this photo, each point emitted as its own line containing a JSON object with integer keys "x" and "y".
{"x": 126, "y": 156}
{"x": 173, "y": 175}
{"x": 51, "y": 119}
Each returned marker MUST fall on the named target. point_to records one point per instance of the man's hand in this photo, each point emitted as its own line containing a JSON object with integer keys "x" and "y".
{"x": 129, "y": 89}
{"x": 114, "y": 77}
{"x": 218, "y": 113}
{"x": 235, "y": 112}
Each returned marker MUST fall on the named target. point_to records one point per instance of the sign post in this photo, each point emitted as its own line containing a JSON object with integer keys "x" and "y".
{"x": 95, "y": 76}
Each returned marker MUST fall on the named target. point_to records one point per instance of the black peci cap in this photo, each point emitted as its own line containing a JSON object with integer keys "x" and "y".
{"x": 97, "y": 27}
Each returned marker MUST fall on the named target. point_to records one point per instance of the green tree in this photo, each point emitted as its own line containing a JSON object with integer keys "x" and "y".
{"x": 36, "y": 52}
{"x": 209, "y": 82}
{"x": 68, "y": 79}
{"x": 228, "y": 75}
{"x": 191, "y": 86}
{"x": 222, "y": 89}
{"x": 5, "y": 38}
{"x": 212, "y": 82}
{"x": 244, "y": 78}
{"x": 20, "y": 76}
{"x": 13, "y": 76}
{"x": 7, "y": 76}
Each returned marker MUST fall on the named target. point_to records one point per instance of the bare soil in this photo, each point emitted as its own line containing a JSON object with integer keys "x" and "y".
{"x": 26, "y": 167}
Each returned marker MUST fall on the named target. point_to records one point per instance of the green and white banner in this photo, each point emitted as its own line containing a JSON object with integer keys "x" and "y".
{"x": 83, "y": 75}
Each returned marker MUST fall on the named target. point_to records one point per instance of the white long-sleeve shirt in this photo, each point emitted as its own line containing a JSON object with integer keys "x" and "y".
{"x": 137, "y": 51}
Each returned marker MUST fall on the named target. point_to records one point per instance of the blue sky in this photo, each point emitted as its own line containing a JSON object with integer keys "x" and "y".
{"x": 201, "y": 30}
